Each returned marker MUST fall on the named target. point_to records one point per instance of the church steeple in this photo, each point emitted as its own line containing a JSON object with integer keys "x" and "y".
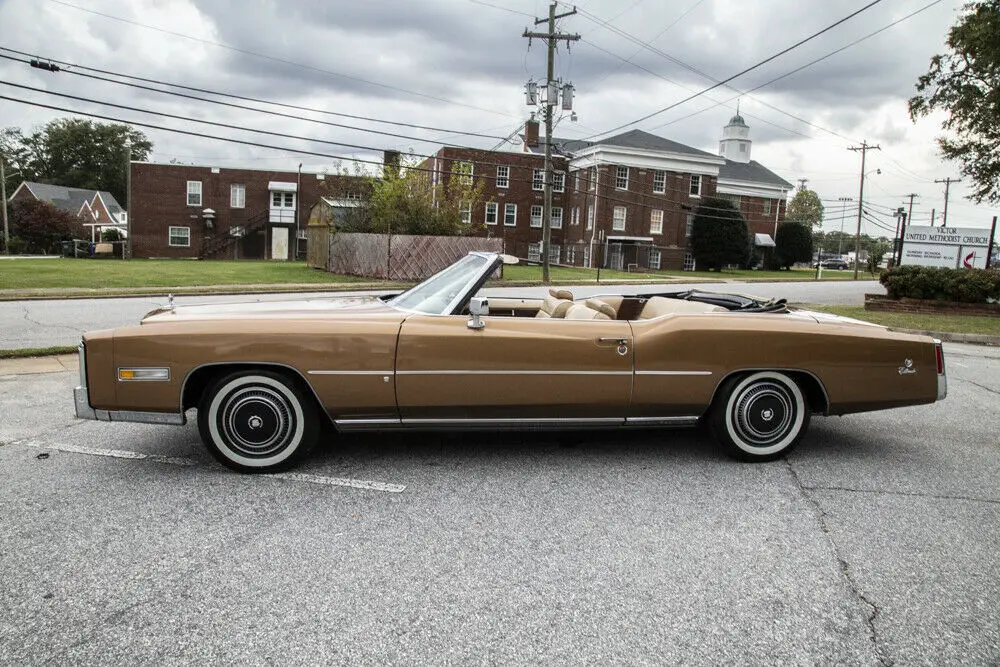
{"x": 735, "y": 144}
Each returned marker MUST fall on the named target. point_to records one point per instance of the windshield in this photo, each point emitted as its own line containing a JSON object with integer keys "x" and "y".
{"x": 436, "y": 295}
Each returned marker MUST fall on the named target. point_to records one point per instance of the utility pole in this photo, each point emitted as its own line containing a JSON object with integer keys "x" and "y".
{"x": 933, "y": 216}
{"x": 901, "y": 232}
{"x": 802, "y": 183}
{"x": 864, "y": 148}
{"x": 552, "y": 92}
{"x": 127, "y": 254}
{"x": 947, "y": 185}
{"x": 3, "y": 193}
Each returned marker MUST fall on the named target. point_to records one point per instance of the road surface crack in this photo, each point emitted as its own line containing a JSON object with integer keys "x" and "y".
{"x": 992, "y": 391}
{"x": 845, "y": 569}
{"x": 28, "y": 318}
{"x": 911, "y": 494}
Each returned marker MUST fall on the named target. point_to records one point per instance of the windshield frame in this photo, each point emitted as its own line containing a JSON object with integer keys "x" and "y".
{"x": 468, "y": 289}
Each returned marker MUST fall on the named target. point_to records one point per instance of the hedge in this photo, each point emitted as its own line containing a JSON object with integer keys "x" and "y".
{"x": 962, "y": 285}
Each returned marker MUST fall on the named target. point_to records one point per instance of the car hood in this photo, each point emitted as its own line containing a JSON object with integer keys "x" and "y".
{"x": 348, "y": 306}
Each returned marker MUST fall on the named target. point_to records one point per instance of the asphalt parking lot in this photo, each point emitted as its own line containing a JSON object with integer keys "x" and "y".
{"x": 876, "y": 542}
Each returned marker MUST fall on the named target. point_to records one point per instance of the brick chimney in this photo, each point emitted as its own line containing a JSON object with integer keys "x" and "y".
{"x": 531, "y": 133}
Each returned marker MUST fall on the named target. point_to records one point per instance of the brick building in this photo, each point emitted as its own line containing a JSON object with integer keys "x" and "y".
{"x": 215, "y": 212}
{"x": 620, "y": 202}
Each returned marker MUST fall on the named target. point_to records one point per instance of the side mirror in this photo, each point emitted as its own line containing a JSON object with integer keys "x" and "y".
{"x": 478, "y": 306}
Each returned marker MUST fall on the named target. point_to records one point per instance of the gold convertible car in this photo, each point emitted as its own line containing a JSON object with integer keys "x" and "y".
{"x": 264, "y": 377}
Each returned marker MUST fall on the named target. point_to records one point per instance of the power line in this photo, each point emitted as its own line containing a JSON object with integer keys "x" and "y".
{"x": 283, "y": 61}
{"x": 70, "y": 68}
{"x": 667, "y": 204}
{"x": 745, "y": 71}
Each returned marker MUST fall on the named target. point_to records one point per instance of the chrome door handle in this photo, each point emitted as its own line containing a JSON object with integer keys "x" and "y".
{"x": 620, "y": 341}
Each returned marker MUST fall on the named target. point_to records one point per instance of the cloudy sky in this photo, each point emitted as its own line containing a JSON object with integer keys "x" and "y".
{"x": 459, "y": 66}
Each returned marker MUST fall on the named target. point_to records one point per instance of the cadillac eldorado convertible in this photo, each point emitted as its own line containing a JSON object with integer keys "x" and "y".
{"x": 264, "y": 377}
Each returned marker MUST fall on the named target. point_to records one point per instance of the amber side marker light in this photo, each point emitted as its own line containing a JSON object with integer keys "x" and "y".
{"x": 143, "y": 374}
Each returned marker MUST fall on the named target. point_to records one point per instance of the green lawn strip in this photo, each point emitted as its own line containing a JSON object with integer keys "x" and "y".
{"x": 69, "y": 273}
{"x": 966, "y": 324}
{"x": 37, "y": 352}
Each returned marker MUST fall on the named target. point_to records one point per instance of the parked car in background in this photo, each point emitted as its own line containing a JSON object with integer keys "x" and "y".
{"x": 839, "y": 264}
{"x": 264, "y": 377}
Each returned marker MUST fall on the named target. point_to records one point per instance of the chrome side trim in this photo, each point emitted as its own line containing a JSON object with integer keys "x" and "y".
{"x": 366, "y": 424}
{"x": 81, "y": 395}
{"x": 390, "y": 373}
{"x": 471, "y": 372}
{"x": 518, "y": 420}
{"x": 687, "y": 420}
{"x": 169, "y": 418}
{"x": 673, "y": 372}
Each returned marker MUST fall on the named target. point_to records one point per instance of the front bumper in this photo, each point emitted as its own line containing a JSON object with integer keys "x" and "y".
{"x": 81, "y": 399}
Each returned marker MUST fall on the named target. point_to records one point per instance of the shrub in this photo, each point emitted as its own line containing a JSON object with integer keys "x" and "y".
{"x": 921, "y": 282}
{"x": 719, "y": 235}
{"x": 794, "y": 243}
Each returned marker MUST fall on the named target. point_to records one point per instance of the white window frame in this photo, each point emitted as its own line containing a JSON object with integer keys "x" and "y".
{"x": 537, "y": 211}
{"x": 194, "y": 192}
{"x": 559, "y": 181}
{"x": 575, "y": 216}
{"x": 694, "y": 188}
{"x": 592, "y": 184}
{"x": 654, "y": 258}
{"x": 492, "y": 207}
{"x": 538, "y": 180}
{"x": 689, "y": 263}
{"x": 534, "y": 252}
{"x": 689, "y": 225}
{"x": 618, "y": 218}
{"x": 767, "y": 207}
{"x": 465, "y": 212}
{"x": 659, "y": 182}
{"x": 237, "y": 195}
{"x": 171, "y": 236}
{"x": 571, "y": 254}
{"x": 465, "y": 178}
{"x": 556, "y": 218}
{"x": 590, "y": 217}
{"x": 656, "y": 221}
{"x": 285, "y": 199}
{"x": 621, "y": 181}
{"x": 510, "y": 212}
{"x": 555, "y": 253}
{"x": 576, "y": 180}
{"x": 503, "y": 176}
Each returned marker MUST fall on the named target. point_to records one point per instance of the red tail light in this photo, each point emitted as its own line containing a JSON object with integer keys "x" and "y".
{"x": 939, "y": 354}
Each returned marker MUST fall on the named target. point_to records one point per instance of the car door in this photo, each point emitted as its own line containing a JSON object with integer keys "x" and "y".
{"x": 514, "y": 370}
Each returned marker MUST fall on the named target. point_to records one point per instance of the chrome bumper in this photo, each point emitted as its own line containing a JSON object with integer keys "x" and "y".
{"x": 81, "y": 398}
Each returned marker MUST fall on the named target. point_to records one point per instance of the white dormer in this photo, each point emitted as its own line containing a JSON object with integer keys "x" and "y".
{"x": 735, "y": 144}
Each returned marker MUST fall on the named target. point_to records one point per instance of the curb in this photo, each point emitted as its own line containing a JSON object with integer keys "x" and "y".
{"x": 948, "y": 337}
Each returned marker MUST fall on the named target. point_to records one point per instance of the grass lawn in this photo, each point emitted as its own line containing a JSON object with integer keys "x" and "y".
{"x": 521, "y": 272}
{"x": 37, "y": 352}
{"x": 98, "y": 273}
{"x": 971, "y": 324}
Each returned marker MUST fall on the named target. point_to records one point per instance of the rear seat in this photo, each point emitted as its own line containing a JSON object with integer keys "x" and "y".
{"x": 658, "y": 306}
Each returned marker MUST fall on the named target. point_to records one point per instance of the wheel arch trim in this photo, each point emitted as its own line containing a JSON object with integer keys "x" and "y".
{"x": 772, "y": 369}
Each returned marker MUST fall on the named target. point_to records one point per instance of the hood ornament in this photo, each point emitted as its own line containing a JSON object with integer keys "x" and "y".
{"x": 907, "y": 367}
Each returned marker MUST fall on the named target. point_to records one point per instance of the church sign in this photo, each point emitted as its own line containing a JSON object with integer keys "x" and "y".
{"x": 946, "y": 247}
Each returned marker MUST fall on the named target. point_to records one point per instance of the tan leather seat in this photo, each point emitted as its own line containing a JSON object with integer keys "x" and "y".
{"x": 554, "y": 307}
{"x": 613, "y": 300}
{"x": 658, "y": 305}
{"x": 580, "y": 311}
{"x": 561, "y": 293}
{"x": 602, "y": 307}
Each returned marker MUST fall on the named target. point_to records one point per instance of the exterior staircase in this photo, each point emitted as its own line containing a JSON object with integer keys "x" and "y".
{"x": 212, "y": 247}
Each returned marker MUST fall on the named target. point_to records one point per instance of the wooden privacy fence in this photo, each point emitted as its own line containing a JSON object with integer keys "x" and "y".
{"x": 398, "y": 257}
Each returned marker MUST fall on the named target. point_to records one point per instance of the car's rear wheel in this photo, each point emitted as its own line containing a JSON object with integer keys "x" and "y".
{"x": 257, "y": 421}
{"x": 760, "y": 416}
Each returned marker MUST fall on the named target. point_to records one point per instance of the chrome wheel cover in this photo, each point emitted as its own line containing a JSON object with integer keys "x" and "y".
{"x": 765, "y": 413}
{"x": 256, "y": 421}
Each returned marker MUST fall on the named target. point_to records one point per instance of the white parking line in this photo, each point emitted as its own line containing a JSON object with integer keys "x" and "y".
{"x": 183, "y": 461}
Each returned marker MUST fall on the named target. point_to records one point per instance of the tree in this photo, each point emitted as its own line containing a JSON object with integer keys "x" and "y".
{"x": 111, "y": 235}
{"x": 793, "y": 243}
{"x": 76, "y": 153}
{"x": 876, "y": 252}
{"x": 39, "y": 227}
{"x": 719, "y": 235}
{"x": 408, "y": 201}
{"x": 965, "y": 82}
{"x": 805, "y": 207}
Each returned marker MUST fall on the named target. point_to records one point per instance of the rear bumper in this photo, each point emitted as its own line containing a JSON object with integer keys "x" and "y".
{"x": 81, "y": 399}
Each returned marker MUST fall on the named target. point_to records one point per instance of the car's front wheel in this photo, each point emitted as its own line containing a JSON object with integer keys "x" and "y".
{"x": 760, "y": 416}
{"x": 257, "y": 421}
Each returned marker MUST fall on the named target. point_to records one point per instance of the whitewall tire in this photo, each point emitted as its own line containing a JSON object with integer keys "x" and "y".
{"x": 257, "y": 421}
{"x": 760, "y": 416}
